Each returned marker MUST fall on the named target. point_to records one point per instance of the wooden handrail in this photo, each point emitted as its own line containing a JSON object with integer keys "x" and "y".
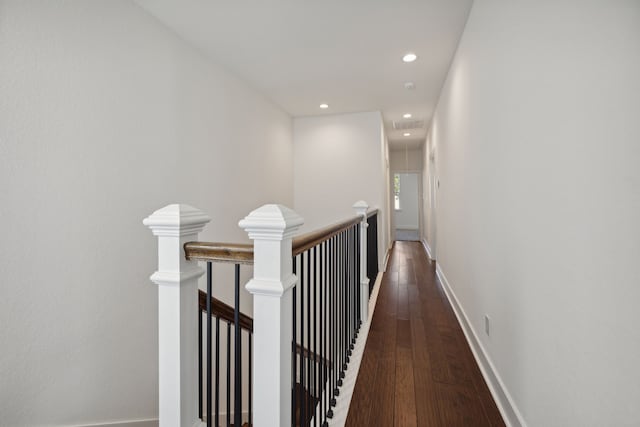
{"x": 224, "y": 311}
{"x": 308, "y": 240}
{"x": 242, "y": 253}
{"x": 304, "y": 352}
{"x": 238, "y": 253}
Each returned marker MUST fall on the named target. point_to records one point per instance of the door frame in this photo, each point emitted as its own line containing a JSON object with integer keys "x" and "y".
{"x": 392, "y": 211}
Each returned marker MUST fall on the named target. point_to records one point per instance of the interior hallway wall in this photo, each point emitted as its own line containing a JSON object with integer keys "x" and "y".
{"x": 406, "y": 160}
{"x": 386, "y": 185}
{"x": 106, "y": 116}
{"x": 338, "y": 160}
{"x": 429, "y": 201}
{"x": 536, "y": 148}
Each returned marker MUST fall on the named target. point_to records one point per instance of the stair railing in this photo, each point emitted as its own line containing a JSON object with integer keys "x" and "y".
{"x": 313, "y": 288}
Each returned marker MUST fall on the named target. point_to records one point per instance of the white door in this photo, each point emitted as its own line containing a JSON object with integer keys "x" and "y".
{"x": 406, "y": 206}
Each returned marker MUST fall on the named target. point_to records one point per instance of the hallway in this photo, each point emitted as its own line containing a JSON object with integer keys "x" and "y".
{"x": 417, "y": 369}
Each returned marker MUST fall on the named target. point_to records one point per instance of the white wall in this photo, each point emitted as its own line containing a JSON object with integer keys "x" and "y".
{"x": 105, "y": 116}
{"x": 429, "y": 191}
{"x": 386, "y": 185}
{"x": 536, "y": 148}
{"x": 339, "y": 159}
{"x": 405, "y": 160}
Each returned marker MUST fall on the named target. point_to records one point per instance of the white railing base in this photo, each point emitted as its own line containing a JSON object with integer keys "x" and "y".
{"x": 361, "y": 208}
{"x": 271, "y": 227}
{"x": 177, "y": 281}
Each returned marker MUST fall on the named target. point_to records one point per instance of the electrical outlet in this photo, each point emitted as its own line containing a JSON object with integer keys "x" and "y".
{"x": 486, "y": 324}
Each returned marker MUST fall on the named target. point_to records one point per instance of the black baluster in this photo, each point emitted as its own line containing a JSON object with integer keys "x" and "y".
{"x": 343, "y": 333}
{"x": 250, "y": 378}
{"x": 200, "y": 367}
{"x": 323, "y": 331}
{"x": 338, "y": 316}
{"x": 356, "y": 273}
{"x": 228, "y": 374}
{"x": 356, "y": 251}
{"x": 369, "y": 250}
{"x": 209, "y": 341}
{"x": 357, "y": 278}
{"x": 341, "y": 307}
{"x": 359, "y": 275}
{"x": 347, "y": 305}
{"x": 293, "y": 352}
{"x": 349, "y": 302}
{"x": 315, "y": 328}
{"x": 332, "y": 332}
{"x": 302, "y": 381}
{"x": 217, "y": 382}
{"x": 308, "y": 348}
{"x": 356, "y": 285}
{"x": 352, "y": 273}
{"x": 345, "y": 314}
{"x": 347, "y": 311}
{"x": 353, "y": 287}
{"x": 349, "y": 293}
{"x": 237, "y": 364}
{"x": 346, "y": 302}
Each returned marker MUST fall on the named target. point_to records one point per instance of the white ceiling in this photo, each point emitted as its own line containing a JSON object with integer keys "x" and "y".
{"x": 347, "y": 53}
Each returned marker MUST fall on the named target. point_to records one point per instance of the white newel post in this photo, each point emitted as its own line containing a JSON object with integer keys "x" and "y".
{"x": 361, "y": 209}
{"x": 177, "y": 281}
{"x": 271, "y": 227}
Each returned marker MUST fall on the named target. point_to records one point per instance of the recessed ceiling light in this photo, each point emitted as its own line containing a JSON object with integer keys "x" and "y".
{"x": 409, "y": 57}
{"x": 406, "y": 134}
{"x": 409, "y": 86}
{"x": 324, "y": 106}
{"x": 407, "y": 115}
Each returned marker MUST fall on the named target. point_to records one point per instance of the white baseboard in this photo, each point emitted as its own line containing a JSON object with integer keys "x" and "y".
{"x": 133, "y": 423}
{"x": 427, "y": 248}
{"x": 386, "y": 259}
{"x": 510, "y": 413}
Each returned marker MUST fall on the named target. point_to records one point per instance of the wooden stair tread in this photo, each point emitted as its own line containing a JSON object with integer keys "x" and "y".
{"x": 305, "y": 398}
{"x": 312, "y": 400}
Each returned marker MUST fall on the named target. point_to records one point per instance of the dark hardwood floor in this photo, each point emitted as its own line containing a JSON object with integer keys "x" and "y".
{"x": 417, "y": 368}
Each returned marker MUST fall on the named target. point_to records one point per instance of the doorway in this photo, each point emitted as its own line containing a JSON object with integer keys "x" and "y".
{"x": 406, "y": 208}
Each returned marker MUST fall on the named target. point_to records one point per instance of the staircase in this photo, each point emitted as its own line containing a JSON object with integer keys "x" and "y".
{"x": 305, "y": 402}
{"x": 306, "y": 397}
